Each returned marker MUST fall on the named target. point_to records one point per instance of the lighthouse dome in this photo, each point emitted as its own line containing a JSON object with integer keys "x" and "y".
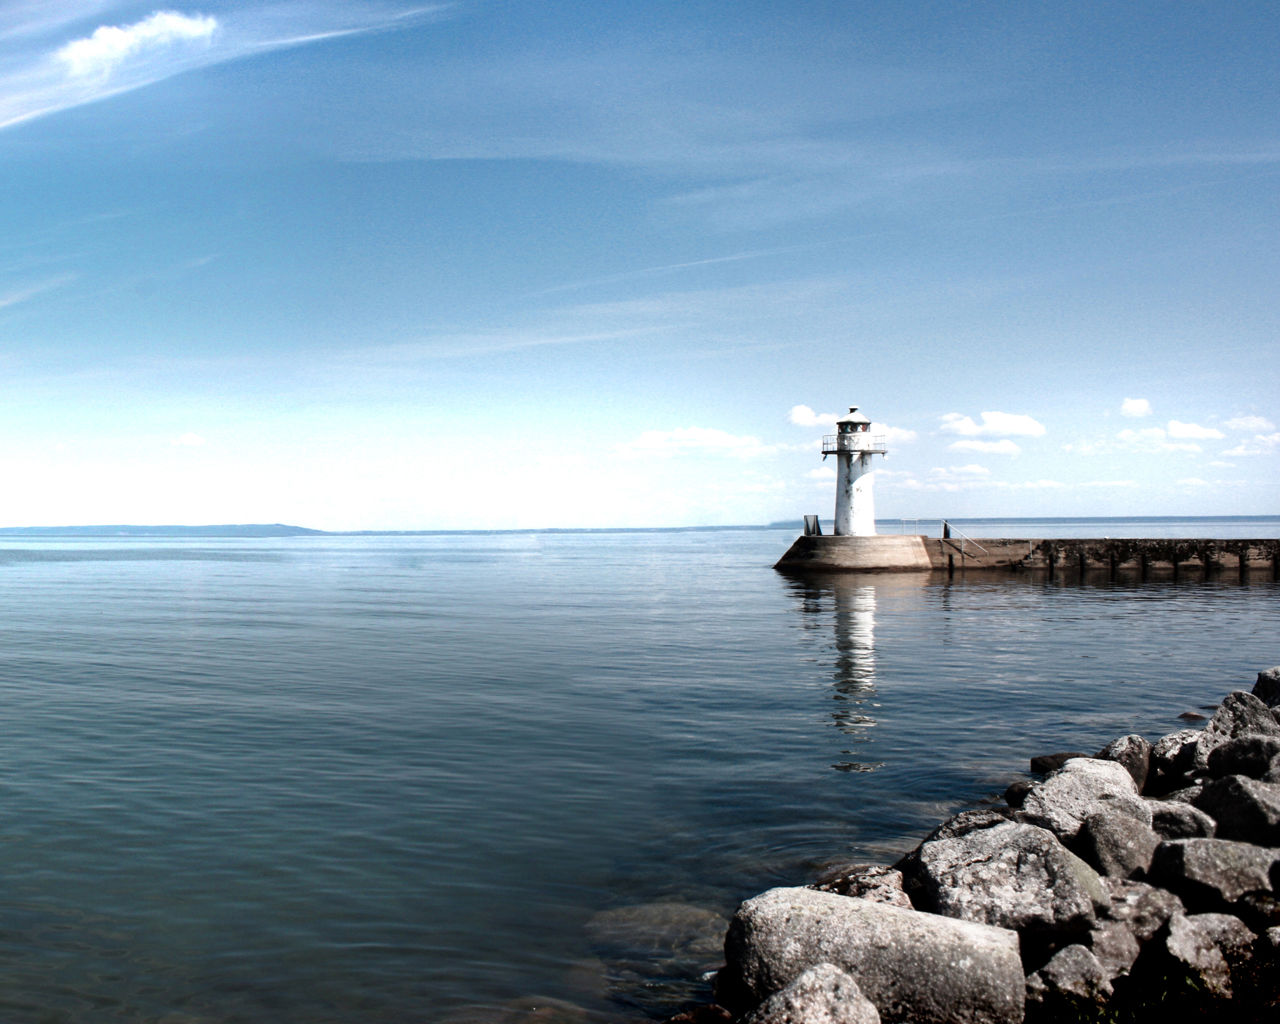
{"x": 852, "y": 419}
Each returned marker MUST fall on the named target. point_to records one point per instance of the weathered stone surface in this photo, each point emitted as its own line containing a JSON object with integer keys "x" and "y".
{"x": 1172, "y": 759}
{"x": 1213, "y": 949}
{"x": 1132, "y": 751}
{"x": 1185, "y": 795}
{"x": 912, "y": 966}
{"x": 1115, "y": 945}
{"x": 1073, "y": 985}
{"x": 1249, "y": 755}
{"x": 1241, "y": 714}
{"x": 1173, "y": 819}
{"x": 877, "y": 882}
{"x": 823, "y": 994}
{"x": 1210, "y": 874}
{"x": 1043, "y": 764}
{"x": 1267, "y": 688}
{"x": 1011, "y": 875}
{"x": 1083, "y": 786}
{"x": 1143, "y": 907}
{"x": 1244, "y": 809}
{"x": 1116, "y": 844}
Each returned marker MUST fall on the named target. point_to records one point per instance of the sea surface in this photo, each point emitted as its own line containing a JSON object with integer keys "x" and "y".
{"x": 397, "y": 779}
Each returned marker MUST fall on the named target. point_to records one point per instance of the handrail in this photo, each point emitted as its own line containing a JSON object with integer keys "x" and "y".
{"x": 949, "y": 529}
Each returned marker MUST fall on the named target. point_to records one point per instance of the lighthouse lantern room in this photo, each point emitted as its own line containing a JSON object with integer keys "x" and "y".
{"x": 853, "y": 445}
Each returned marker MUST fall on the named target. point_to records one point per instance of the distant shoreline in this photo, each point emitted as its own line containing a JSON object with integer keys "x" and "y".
{"x": 268, "y": 530}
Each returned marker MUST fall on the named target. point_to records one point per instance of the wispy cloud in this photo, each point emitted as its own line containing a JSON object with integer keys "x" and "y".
{"x": 53, "y": 63}
{"x": 1259, "y": 444}
{"x": 1259, "y": 424}
{"x": 1193, "y": 431}
{"x": 994, "y": 424}
{"x": 28, "y": 291}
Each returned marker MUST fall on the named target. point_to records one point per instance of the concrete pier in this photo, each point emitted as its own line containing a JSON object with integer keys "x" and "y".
{"x": 907, "y": 553}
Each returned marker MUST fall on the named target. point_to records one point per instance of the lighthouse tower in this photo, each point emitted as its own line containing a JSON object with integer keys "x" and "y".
{"x": 853, "y": 445}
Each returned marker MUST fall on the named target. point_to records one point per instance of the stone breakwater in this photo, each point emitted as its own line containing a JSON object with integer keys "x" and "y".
{"x": 1143, "y": 880}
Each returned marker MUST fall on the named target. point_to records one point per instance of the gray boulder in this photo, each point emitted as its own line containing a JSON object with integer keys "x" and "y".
{"x": 1011, "y": 875}
{"x": 1115, "y": 946}
{"x": 1267, "y": 688}
{"x": 1241, "y": 714}
{"x": 1173, "y": 819}
{"x": 1249, "y": 755}
{"x": 1172, "y": 760}
{"x": 1116, "y": 844}
{"x": 1244, "y": 809}
{"x": 1143, "y": 907}
{"x": 1073, "y": 985}
{"x": 823, "y": 994}
{"x": 912, "y": 966}
{"x": 1083, "y": 786}
{"x": 1211, "y": 874}
{"x": 1132, "y": 751}
{"x": 877, "y": 882}
{"x": 1213, "y": 950}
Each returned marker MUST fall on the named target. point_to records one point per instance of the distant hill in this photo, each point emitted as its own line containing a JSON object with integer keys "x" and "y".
{"x": 226, "y": 530}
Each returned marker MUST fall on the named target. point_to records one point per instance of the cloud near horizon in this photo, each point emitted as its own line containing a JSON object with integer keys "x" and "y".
{"x": 994, "y": 424}
{"x": 697, "y": 441}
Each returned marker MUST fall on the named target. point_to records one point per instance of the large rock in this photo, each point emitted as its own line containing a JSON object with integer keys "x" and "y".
{"x": 1244, "y": 809}
{"x": 1116, "y": 844}
{"x": 1267, "y": 688}
{"x": 1213, "y": 951}
{"x": 1132, "y": 751}
{"x": 1241, "y": 714}
{"x": 877, "y": 882}
{"x": 1011, "y": 875}
{"x": 1143, "y": 907}
{"x": 912, "y": 966}
{"x": 1073, "y": 985}
{"x": 1249, "y": 755}
{"x": 1211, "y": 874}
{"x": 1083, "y": 786}
{"x": 1172, "y": 760}
{"x": 823, "y": 994}
{"x": 1174, "y": 819}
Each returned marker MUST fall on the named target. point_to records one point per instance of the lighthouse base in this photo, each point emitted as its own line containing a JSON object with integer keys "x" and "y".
{"x": 859, "y": 554}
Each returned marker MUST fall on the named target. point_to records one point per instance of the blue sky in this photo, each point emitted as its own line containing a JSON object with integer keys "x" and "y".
{"x": 521, "y": 264}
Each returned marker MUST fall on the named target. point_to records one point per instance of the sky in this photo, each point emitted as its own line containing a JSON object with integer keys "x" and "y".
{"x": 540, "y": 263}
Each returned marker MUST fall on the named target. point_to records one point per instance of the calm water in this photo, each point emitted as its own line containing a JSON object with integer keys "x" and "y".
{"x": 376, "y": 779}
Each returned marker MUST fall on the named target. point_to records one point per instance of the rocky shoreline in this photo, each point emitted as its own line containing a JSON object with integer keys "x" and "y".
{"x": 1141, "y": 880}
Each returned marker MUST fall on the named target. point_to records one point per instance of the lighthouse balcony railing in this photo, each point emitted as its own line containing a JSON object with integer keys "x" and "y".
{"x": 858, "y": 442}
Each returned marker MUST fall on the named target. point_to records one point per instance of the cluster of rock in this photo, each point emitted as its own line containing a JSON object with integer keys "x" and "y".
{"x": 1142, "y": 879}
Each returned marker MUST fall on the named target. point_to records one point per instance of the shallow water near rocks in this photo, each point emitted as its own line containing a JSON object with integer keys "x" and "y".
{"x": 367, "y": 779}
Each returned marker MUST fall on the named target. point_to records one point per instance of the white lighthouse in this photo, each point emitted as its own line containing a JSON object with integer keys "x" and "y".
{"x": 853, "y": 445}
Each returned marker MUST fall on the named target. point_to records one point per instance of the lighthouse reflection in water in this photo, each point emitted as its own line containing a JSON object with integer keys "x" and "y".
{"x": 850, "y": 602}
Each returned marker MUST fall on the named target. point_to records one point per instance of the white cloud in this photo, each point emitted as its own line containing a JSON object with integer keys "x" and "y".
{"x": 1002, "y": 447}
{"x": 1258, "y": 424}
{"x": 893, "y": 435}
{"x": 1135, "y": 407}
{"x": 112, "y": 45}
{"x": 803, "y": 416}
{"x": 823, "y": 474}
{"x": 1152, "y": 439}
{"x": 1192, "y": 431}
{"x": 994, "y": 424}
{"x": 1260, "y": 444}
{"x": 1109, "y": 483}
{"x": 697, "y": 441}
